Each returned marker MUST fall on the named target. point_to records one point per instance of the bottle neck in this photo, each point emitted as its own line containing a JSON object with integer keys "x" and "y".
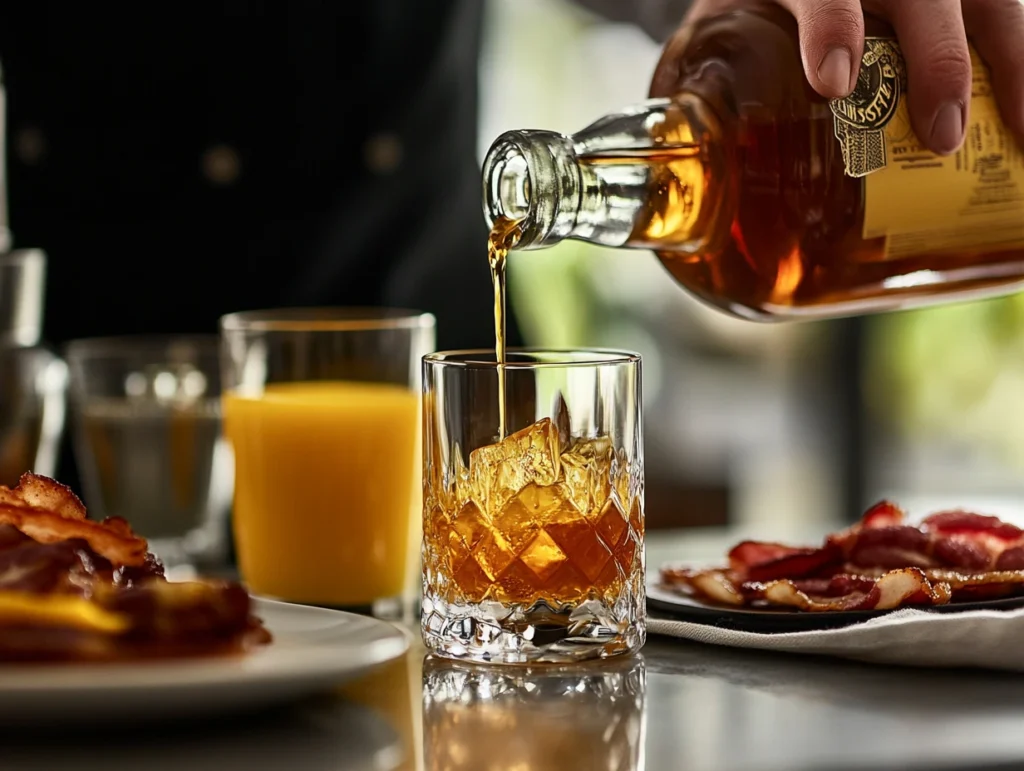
{"x": 635, "y": 179}
{"x": 533, "y": 177}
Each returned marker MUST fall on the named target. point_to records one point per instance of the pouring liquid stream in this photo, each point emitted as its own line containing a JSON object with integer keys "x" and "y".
{"x": 504, "y": 235}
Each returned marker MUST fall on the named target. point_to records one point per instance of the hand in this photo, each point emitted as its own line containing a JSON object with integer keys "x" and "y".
{"x": 933, "y": 36}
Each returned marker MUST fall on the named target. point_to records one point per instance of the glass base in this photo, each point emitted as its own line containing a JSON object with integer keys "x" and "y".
{"x": 490, "y": 632}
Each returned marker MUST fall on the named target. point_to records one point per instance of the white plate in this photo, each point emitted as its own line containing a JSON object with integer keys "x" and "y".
{"x": 314, "y": 649}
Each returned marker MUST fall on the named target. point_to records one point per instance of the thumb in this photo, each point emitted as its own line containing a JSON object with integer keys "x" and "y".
{"x": 831, "y": 42}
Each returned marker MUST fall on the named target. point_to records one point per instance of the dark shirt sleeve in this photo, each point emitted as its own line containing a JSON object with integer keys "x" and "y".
{"x": 658, "y": 18}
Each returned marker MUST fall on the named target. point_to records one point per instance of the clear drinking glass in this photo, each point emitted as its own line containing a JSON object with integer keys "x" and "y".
{"x": 147, "y": 435}
{"x": 533, "y": 544}
{"x": 22, "y": 289}
{"x": 582, "y": 717}
{"x": 33, "y": 395}
{"x": 33, "y": 379}
{"x": 322, "y": 409}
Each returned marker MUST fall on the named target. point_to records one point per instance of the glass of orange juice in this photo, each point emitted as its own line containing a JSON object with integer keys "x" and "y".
{"x": 321, "y": 408}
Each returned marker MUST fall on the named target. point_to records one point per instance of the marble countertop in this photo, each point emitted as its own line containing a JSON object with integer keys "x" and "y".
{"x": 677, "y": 705}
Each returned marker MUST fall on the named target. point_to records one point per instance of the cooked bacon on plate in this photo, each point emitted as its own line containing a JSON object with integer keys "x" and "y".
{"x": 882, "y": 562}
{"x": 75, "y": 589}
{"x": 48, "y": 512}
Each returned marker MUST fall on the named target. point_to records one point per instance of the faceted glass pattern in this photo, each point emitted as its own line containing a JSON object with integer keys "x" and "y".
{"x": 533, "y": 550}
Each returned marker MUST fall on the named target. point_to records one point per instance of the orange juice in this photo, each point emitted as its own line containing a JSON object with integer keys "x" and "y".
{"x": 326, "y": 481}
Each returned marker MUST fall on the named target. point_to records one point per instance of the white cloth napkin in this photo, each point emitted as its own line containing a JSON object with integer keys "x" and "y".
{"x": 992, "y": 639}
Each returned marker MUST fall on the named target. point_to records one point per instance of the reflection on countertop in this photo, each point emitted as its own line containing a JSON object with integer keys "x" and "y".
{"x": 322, "y": 734}
{"x": 539, "y": 718}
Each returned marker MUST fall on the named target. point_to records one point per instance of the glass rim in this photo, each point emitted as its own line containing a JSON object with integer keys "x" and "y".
{"x": 589, "y": 357}
{"x": 121, "y": 345}
{"x": 326, "y": 319}
{"x": 19, "y": 257}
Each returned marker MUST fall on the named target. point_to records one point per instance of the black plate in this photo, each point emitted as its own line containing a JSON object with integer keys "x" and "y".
{"x": 663, "y": 603}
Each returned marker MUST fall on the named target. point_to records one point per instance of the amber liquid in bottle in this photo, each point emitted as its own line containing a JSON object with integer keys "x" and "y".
{"x": 742, "y": 190}
{"x": 794, "y": 238}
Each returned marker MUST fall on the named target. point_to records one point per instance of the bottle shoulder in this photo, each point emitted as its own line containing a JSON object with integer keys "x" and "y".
{"x": 748, "y": 60}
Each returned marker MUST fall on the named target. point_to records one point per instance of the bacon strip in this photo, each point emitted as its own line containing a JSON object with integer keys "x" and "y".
{"x": 715, "y": 585}
{"x": 23, "y": 508}
{"x": 39, "y": 492}
{"x": 747, "y": 553}
{"x": 989, "y": 585}
{"x": 968, "y": 523}
{"x": 880, "y": 563}
{"x": 78, "y": 590}
{"x": 883, "y": 514}
{"x": 908, "y": 586}
{"x": 758, "y": 561}
{"x": 892, "y": 546}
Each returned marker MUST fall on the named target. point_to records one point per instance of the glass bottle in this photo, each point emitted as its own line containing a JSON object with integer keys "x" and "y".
{"x": 766, "y": 200}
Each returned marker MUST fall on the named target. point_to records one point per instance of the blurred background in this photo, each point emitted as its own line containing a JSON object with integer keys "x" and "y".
{"x": 778, "y": 426}
{"x": 791, "y": 426}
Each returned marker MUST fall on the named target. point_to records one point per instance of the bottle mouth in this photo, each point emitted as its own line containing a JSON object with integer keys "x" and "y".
{"x": 532, "y": 177}
{"x": 508, "y": 185}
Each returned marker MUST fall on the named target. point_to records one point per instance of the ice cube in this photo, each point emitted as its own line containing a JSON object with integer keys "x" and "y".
{"x": 587, "y": 472}
{"x": 562, "y": 420}
{"x": 531, "y": 509}
{"x": 499, "y": 471}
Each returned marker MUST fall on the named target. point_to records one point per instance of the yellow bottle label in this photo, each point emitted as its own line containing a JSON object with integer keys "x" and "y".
{"x": 920, "y": 202}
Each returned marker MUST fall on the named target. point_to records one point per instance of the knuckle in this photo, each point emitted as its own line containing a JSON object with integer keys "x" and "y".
{"x": 833, "y": 20}
{"x": 949, "y": 64}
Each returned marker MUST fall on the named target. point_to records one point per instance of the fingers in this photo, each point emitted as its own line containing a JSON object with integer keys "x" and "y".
{"x": 996, "y": 27}
{"x": 933, "y": 37}
{"x": 831, "y": 42}
{"x": 934, "y": 45}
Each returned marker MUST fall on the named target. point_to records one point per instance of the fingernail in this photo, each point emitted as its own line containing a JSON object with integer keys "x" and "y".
{"x": 834, "y": 71}
{"x": 948, "y": 128}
